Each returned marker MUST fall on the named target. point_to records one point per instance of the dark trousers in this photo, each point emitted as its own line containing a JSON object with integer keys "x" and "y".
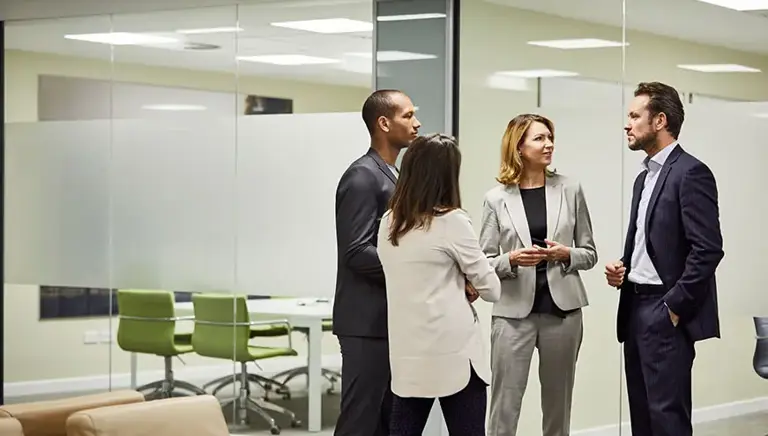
{"x": 366, "y": 394}
{"x": 658, "y": 359}
{"x": 464, "y": 411}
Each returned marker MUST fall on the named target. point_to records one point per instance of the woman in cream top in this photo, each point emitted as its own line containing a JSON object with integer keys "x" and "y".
{"x": 434, "y": 268}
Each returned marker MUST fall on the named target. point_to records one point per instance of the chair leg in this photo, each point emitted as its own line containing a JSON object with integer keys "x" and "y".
{"x": 167, "y": 387}
{"x": 254, "y": 406}
{"x": 190, "y": 387}
{"x": 220, "y": 380}
{"x": 268, "y": 384}
{"x": 154, "y": 385}
{"x": 279, "y": 409}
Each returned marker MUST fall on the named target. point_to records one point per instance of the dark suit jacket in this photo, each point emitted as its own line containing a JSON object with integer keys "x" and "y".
{"x": 362, "y": 197}
{"x": 684, "y": 243}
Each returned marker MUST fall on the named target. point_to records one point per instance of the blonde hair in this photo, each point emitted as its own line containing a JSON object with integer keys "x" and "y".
{"x": 511, "y": 170}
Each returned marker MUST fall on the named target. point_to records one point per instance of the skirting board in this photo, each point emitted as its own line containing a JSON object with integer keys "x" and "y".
{"x": 194, "y": 374}
{"x": 701, "y": 415}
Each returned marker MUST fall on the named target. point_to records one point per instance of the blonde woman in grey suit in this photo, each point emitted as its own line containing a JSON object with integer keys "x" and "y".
{"x": 537, "y": 232}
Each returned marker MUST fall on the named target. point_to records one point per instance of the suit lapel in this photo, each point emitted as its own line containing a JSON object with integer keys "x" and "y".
{"x": 381, "y": 164}
{"x": 554, "y": 194}
{"x": 514, "y": 203}
{"x": 660, "y": 185}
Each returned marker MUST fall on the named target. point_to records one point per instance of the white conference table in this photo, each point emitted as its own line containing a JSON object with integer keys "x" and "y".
{"x": 308, "y": 313}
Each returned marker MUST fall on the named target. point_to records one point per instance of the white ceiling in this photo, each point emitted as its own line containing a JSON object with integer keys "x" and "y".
{"x": 689, "y": 20}
{"x": 742, "y": 31}
{"x": 257, "y": 38}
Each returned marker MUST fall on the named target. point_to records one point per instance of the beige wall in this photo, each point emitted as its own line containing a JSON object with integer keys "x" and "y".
{"x": 55, "y": 349}
{"x": 591, "y": 148}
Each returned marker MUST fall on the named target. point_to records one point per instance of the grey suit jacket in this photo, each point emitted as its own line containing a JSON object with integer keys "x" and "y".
{"x": 505, "y": 229}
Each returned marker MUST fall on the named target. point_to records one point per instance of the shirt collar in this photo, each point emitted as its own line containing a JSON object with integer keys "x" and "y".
{"x": 657, "y": 161}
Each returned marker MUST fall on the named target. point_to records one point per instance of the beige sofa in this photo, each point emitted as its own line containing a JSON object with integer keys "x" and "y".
{"x": 10, "y": 427}
{"x": 48, "y": 418}
{"x": 186, "y": 416}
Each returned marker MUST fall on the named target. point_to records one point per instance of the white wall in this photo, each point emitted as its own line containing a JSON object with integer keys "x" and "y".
{"x": 590, "y": 146}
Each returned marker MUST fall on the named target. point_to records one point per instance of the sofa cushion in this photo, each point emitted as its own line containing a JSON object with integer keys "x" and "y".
{"x": 198, "y": 415}
{"x": 48, "y": 418}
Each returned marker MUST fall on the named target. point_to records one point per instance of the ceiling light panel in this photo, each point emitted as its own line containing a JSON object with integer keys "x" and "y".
{"x": 122, "y": 38}
{"x": 581, "y": 43}
{"x": 394, "y": 56}
{"x": 533, "y": 74}
{"x": 719, "y": 68}
{"x": 331, "y": 25}
{"x": 409, "y": 17}
{"x": 740, "y": 5}
{"x": 209, "y": 30}
{"x": 288, "y": 59}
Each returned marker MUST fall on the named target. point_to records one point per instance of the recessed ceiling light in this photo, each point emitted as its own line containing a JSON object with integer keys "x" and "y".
{"x": 174, "y": 107}
{"x": 740, "y": 5}
{"x": 571, "y": 44}
{"x": 532, "y": 74}
{"x": 719, "y": 68}
{"x": 122, "y": 38}
{"x": 210, "y": 30}
{"x": 409, "y": 17}
{"x": 765, "y": 115}
{"x": 394, "y": 55}
{"x": 331, "y": 25}
{"x": 288, "y": 59}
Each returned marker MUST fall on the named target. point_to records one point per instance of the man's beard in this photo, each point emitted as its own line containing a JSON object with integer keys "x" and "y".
{"x": 644, "y": 142}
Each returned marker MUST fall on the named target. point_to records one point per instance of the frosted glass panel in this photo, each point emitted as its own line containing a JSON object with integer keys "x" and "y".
{"x": 173, "y": 202}
{"x": 57, "y": 203}
{"x": 288, "y": 169}
{"x": 732, "y": 144}
{"x": 185, "y": 202}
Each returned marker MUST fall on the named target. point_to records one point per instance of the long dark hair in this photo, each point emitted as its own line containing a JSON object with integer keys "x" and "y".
{"x": 428, "y": 185}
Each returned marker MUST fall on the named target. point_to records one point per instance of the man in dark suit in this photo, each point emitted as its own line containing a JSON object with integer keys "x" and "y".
{"x": 667, "y": 275}
{"x": 360, "y": 305}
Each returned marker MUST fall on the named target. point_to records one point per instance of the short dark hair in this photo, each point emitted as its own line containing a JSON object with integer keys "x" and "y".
{"x": 666, "y": 99}
{"x": 428, "y": 184}
{"x": 378, "y": 104}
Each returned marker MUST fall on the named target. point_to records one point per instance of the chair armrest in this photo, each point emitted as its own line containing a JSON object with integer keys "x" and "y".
{"x": 280, "y": 322}
{"x": 166, "y": 319}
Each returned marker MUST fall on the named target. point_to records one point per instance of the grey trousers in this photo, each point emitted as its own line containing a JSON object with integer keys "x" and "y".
{"x": 512, "y": 343}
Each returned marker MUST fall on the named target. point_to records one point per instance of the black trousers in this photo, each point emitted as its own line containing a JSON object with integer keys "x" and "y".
{"x": 464, "y": 411}
{"x": 658, "y": 359}
{"x": 366, "y": 394}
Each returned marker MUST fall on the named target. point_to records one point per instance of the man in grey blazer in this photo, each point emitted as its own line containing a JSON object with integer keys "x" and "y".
{"x": 360, "y": 305}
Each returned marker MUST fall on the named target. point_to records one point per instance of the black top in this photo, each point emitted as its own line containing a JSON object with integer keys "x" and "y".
{"x": 535, "y": 204}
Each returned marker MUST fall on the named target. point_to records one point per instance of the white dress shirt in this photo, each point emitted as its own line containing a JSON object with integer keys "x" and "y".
{"x": 434, "y": 335}
{"x": 642, "y": 270}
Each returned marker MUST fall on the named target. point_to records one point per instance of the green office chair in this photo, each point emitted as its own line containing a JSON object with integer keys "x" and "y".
{"x": 148, "y": 326}
{"x": 223, "y": 330}
{"x": 288, "y": 375}
{"x": 269, "y": 384}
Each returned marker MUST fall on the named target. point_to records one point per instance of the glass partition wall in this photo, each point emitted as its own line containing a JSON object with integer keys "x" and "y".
{"x": 165, "y": 172}
{"x": 169, "y": 176}
{"x": 524, "y": 57}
